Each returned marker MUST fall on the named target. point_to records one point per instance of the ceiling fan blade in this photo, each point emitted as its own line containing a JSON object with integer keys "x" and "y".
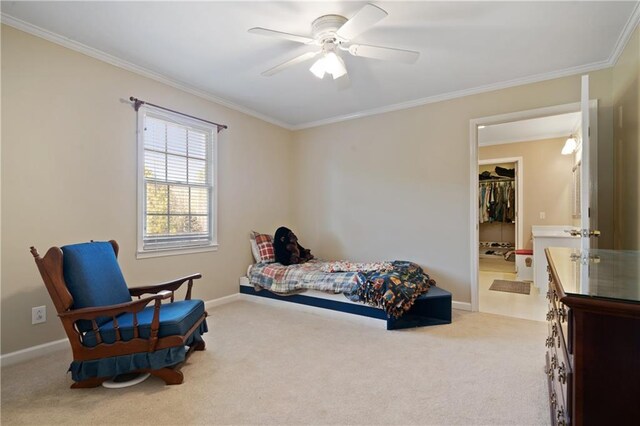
{"x": 280, "y": 34}
{"x": 361, "y": 21}
{"x": 384, "y": 53}
{"x": 304, "y": 57}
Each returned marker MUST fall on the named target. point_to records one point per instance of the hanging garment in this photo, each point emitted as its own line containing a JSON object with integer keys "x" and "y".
{"x": 496, "y": 202}
{"x": 482, "y": 193}
{"x": 512, "y": 202}
{"x": 492, "y": 203}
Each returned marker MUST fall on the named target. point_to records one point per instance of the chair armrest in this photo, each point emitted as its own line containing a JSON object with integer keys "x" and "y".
{"x": 108, "y": 310}
{"x": 171, "y": 286}
{"x": 113, "y": 311}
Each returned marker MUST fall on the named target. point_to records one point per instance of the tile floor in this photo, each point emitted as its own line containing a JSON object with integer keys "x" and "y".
{"x": 532, "y": 306}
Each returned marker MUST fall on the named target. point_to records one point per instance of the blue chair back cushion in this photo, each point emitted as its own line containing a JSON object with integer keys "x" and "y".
{"x": 175, "y": 320}
{"x": 93, "y": 278}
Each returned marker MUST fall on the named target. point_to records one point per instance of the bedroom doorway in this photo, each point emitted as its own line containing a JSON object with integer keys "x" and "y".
{"x": 545, "y": 198}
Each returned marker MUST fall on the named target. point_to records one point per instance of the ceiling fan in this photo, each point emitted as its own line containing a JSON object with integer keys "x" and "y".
{"x": 333, "y": 33}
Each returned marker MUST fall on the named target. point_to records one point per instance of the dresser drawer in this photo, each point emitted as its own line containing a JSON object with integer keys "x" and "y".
{"x": 560, "y": 313}
{"x": 559, "y": 407}
{"x": 562, "y": 377}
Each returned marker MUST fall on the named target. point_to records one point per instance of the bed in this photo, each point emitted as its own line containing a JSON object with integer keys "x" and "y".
{"x": 398, "y": 293}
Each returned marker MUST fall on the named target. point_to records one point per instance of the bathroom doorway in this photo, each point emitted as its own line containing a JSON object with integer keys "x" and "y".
{"x": 524, "y": 181}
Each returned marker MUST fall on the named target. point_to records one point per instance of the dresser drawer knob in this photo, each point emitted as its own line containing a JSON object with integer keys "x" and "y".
{"x": 549, "y": 342}
{"x": 562, "y": 314}
{"x": 554, "y": 330}
{"x": 550, "y": 373}
{"x": 562, "y": 374}
{"x": 554, "y": 361}
{"x": 550, "y": 314}
{"x": 560, "y": 416}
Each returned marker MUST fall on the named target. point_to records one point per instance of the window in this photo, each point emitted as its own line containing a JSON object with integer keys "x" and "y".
{"x": 176, "y": 184}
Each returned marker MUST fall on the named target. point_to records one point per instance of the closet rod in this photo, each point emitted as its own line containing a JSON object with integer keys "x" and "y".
{"x": 497, "y": 180}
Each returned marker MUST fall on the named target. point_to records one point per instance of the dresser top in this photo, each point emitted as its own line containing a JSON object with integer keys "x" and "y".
{"x": 605, "y": 274}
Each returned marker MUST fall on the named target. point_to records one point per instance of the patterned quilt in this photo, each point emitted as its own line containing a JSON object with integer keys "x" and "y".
{"x": 395, "y": 291}
{"x": 306, "y": 276}
{"x": 392, "y": 286}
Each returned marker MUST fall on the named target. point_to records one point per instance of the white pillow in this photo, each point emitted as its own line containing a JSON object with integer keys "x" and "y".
{"x": 254, "y": 249}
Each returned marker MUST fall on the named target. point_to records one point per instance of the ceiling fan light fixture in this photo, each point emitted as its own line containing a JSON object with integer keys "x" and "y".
{"x": 334, "y": 65}
{"x": 329, "y": 63}
{"x": 318, "y": 68}
{"x": 335, "y": 33}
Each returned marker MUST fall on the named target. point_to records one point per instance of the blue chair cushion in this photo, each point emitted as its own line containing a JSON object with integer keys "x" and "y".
{"x": 93, "y": 278}
{"x": 175, "y": 320}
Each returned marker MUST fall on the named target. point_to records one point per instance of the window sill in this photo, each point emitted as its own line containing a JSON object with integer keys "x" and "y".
{"x": 174, "y": 251}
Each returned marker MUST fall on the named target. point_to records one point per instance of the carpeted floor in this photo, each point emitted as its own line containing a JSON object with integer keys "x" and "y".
{"x": 273, "y": 365}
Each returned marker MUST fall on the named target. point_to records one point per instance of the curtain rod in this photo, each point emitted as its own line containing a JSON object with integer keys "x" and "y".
{"x": 137, "y": 103}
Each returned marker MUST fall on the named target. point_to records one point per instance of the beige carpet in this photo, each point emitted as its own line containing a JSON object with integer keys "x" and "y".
{"x": 273, "y": 365}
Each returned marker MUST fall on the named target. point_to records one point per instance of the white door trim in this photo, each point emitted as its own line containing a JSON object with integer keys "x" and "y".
{"x": 519, "y": 192}
{"x": 473, "y": 170}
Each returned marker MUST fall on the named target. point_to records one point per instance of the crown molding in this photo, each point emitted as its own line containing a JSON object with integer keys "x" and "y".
{"x": 622, "y": 41}
{"x": 625, "y": 35}
{"x": 595, "y": 66}
{"x": 126, "y": 65}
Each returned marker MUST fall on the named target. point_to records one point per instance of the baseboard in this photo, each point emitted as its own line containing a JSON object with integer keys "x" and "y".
{"x": 57, "y": 345}
{"x": 463, "y": 306}
{"x": 33, "y": 352}
{"x": 221, "y": 300}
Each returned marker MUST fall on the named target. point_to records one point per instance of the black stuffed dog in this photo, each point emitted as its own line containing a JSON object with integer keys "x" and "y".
{"x": 287, "y": 249}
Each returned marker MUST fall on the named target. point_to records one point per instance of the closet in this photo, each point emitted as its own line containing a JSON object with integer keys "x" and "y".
{"x": 497, "y": 216}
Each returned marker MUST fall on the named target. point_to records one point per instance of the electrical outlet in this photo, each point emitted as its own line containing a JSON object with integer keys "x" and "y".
{"x": 543, "y": 215}
{"x": 38, "y": 314}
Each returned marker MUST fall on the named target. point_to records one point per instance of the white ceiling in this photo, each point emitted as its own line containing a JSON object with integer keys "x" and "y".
{"x": 466, "y": 47}
{"x": 555, "y": 126}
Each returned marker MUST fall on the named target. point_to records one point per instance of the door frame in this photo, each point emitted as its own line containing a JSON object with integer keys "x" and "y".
{"x": 519, "y": 161}
{"x": 473, "y": 171}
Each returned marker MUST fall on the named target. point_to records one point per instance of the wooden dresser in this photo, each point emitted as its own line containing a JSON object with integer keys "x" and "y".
{"x": 593, "y": 346}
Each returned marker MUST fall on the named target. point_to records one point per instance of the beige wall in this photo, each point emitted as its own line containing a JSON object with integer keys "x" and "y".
{"x": 69, "y": 175}
{"x": 547, "y": 180}
{"x": 626, "y": 95}
{"x": 396, "y": 185}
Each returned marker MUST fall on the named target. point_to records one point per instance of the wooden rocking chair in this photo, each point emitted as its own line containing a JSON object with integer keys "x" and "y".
{"x": 111, "y": 334}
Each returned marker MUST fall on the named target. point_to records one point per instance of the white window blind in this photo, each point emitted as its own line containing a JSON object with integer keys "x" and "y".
{"x": 177, "y": 182}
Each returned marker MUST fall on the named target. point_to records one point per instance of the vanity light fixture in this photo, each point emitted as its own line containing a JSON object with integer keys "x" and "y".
{"x": 570, "y": 146}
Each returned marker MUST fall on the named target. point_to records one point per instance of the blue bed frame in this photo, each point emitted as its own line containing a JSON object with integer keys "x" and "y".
{"x": 432, "y": 308}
